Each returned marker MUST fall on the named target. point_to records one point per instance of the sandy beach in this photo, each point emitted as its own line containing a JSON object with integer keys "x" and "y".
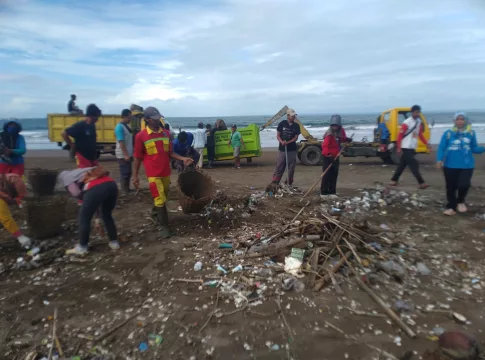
{"x": 96, "y": 293}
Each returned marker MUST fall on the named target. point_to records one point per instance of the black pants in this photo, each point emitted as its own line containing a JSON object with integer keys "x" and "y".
{"x": 125, "y": 168}
{"x": 329, "y": 181}
{"x": 102, "y": 196}
{"x": 458, "y": 182}
{"x": 211, "y": 153}
{"x": 408, "y": 159}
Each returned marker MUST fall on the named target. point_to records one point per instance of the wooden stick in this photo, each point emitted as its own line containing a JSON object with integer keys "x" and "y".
{"x": 325, "y": 172}
{"x": 54, "y": 325}
{"x": 211, "y": 314}
{"x": 288, "y": 328}
{"x": 191, "y": 280}
{"x": 380, "y": 302}
{"x": 299, "y": 212}
{"x": 314, "y": 265}
{"x": 117, "y": 327}
{"x": 351, "y": 233}
{"x": 59, "y": 347}
{"x": 364, "y": 313}
{"x": 272, "y": 249}
{"x": 337, "y": 287}
{"x": 382, "y": 352}
{"x": 320, "y": 283}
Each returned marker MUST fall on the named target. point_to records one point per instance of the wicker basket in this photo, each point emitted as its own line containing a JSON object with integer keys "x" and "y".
{"x": 42, "y": 181}
{"x": 196, "y": 191}
{"x": 45, "y": 215}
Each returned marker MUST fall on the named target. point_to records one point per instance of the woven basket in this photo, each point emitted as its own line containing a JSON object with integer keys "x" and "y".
{"x": 45, "y": 215}
{"x": 196, "y": 190}
{"x": 42, "y": 181}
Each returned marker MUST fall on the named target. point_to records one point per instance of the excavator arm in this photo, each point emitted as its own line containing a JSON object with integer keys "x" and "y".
{"x": 303, "y": 130}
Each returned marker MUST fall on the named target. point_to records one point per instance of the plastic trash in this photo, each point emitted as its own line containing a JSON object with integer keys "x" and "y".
{"x": 293, "y": 266}
{"x": 293, "y": 284}
{"x": 264, "y": 272}
{"x": 423, "y": 269}
{"x": 198, "y": 266}
{"x": 33, "y": 251}
{"x": 225, "y": 246}
{"x": 393, "y": 268}
{"x": 238, "y": 252}
{"x": 221, "y": 269}
{"x": 403, "y": 306}
{"x": 237, "y": 268}
{"x": 155, "y": 340}
{"x": 143, "y": 347}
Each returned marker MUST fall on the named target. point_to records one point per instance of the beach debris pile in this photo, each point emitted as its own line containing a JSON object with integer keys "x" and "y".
{"x": 223, "y": 210}
{"x": 375, "y": 199}
{"x": 324, "y": 253}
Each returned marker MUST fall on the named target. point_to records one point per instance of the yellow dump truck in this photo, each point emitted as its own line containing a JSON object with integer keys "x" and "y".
{"x": 107, "y": 142}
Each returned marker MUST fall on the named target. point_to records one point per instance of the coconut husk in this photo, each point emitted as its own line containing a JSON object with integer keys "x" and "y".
{"x": 45, "y": 215}
{"x": 42, "y": 181}
{"x": 196, "y": 190}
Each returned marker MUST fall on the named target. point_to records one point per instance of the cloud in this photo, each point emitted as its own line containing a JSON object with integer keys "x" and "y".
{"x": 235, "y": 57}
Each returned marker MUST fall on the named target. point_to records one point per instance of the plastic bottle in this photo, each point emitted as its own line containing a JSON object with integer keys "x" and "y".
{"x": 198, "y": 266}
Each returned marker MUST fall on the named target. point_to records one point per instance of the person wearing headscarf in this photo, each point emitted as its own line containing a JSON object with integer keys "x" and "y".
{"x": 333, "y": 141}
{"x": 455, "y": 156}
{"x": 12, "y": 190}
{"x": 13, "y": 149}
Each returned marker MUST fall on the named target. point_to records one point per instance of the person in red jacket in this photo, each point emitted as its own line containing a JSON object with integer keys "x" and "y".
{"x": 333, "y": 141}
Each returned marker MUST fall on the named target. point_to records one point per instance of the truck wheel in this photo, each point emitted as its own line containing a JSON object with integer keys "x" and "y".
{"x": 391, "y": 158}
{"x": 249, "y": 160}
{"x": 311, "y": 156}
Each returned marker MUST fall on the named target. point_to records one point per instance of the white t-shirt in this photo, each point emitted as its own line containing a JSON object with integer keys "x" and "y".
{"x": 200, "y": 138}
{"x": 411, "y": 140}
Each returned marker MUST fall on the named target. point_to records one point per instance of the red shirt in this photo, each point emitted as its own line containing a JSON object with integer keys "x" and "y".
{"x": 98, "y": 181}
{"x": 331, "y": 145}
{"x": 154, "y": 148}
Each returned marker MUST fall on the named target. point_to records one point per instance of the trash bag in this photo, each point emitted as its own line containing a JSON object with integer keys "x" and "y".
{"x": 42, "y": 181}
{"x": 197, "y": 190}
{"x": 45, "y": 215}
{"x": 220, "y": 125}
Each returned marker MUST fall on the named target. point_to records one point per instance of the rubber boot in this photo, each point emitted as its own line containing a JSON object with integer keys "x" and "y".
{"x": 154, "y": 215}
{"x": 165, "y": 231}
{"x": 125, "y": 186}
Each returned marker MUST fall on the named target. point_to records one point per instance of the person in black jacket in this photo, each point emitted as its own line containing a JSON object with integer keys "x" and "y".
{"x": 211, "y": 144}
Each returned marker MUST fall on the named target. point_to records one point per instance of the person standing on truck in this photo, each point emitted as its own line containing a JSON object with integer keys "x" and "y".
{"x": 236, "y": 141}
{"x": 84, "y": 134}
{"x": 182, "y": 146}
{"x": 211, "y": 144}
{"x": 72, "y": 108}
{"x": 14, "y": 149}
{"x": 333, "y": 140}
{"x": 154, "y": 147}
{"x": 200, "y": 139}
{"x": 412, "y": 129}
{"x": 287, "y": 134}
{"x": 124, "y": 149}
{"x": 455, "y": 156}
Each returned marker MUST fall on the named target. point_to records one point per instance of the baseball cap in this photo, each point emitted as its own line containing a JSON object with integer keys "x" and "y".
{"x": 234, "y": 126}
{"x": 152, "y": 113}
{"x": 291, "y": 112}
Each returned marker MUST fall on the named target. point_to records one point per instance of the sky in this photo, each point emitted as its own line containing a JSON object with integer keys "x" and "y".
{"x": 241, "y": 57}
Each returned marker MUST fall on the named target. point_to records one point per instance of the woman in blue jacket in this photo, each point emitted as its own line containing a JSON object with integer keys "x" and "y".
{"x": 455, "y": 155}
{"x": 13, "y": 149}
